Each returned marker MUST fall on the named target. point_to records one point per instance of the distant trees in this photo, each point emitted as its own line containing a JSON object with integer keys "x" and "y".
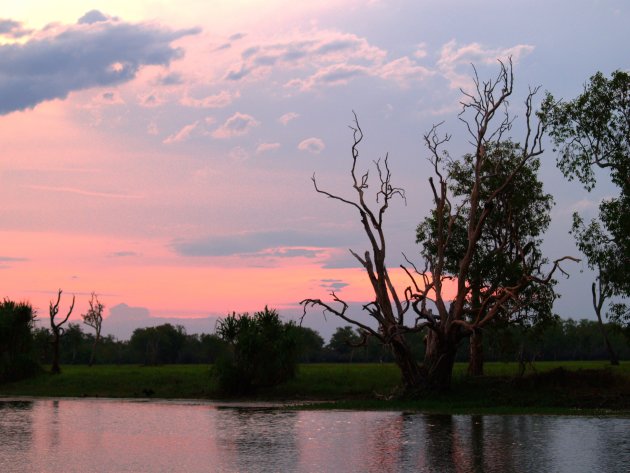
{"x": 396, "y": 314}
{"x": 263, "y": 351}
{"x": 57, "y": 330}
{"x": 17, "y": 359}
{"x": 158, "y": 345}
{"x": 593, "y": 132}
{"x": 94, "y": 318}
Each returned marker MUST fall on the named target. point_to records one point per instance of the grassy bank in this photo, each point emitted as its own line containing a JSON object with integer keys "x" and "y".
{"x": 592, "y": 387}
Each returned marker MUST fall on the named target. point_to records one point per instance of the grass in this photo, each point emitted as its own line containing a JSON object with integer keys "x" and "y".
{"x": 554, "y": 387}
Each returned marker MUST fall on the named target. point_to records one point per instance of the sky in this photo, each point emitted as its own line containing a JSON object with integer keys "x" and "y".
{"x": 160, "y": 153}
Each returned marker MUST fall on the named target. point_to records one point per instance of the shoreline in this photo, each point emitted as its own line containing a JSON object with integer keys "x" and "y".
{"x": 570, "y": 388}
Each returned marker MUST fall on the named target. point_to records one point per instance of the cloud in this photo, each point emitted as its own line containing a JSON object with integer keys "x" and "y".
{"x": 266, "y": 147}
{"x": 72, "y": 190}
{"x": 287, "y": 117}
{"x": 123, "y": 254}
{"x": 294, "y": 253}
{"x": 326, "y": 58}
{"x": 151, "y": 100}
{"x": 335, "y": 74}
{"x": 452, "y": 56}
{"x": 97, "y": 52}
{"x": 323, "y": 50}
{"x": 181, "y": 135}
{"x": 91, "y": 17}
{"x": 173, "y": 78}
{"x": 312, "y": 145}
{"x": 11, "y": 259}
{"x": 237, "y": 125}
{"x": 220, "y": 100}
{"x": 254, "y": 242}
{"x": 12, "y": 29}
{"x": 333, "y": 284}
{"x": 124, "y": 319}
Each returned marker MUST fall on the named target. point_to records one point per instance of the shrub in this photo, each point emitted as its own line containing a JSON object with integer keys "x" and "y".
{"x": 263, "y": 352}
{"x": 16, "y": 341}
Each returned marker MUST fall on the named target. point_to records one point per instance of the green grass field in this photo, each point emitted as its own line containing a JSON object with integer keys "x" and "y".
{"x": 589, "y": 386}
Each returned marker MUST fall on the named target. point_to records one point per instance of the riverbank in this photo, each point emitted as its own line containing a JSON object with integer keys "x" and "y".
{"x": 554, "y": 387}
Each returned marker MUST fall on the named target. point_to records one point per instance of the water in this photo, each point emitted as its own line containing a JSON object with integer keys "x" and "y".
{"x": 133, "y": 436}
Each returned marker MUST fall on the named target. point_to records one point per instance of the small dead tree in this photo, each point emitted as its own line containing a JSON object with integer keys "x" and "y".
{"x": 57, "y": 330}
{"x": 94, "y": 318}
{"x": 453, "y": 320}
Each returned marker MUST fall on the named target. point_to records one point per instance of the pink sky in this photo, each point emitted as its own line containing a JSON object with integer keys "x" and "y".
{"x": 160, "y": 153}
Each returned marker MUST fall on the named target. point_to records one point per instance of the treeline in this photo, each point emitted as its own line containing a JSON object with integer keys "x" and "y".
{"x": 170, "y": 344}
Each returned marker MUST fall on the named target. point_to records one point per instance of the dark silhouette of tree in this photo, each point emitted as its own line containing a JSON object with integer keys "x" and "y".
{"x": 263, "y": 352}
{"x": 57, "y": 330}
{"x": 158, "y": 345}
{"x": 94, "y": 318}
{"x": 17, "y": 359}
{"x": 487, "y": 119}
{"x": 593, "y": 131}
{"x": 510, "y": 239}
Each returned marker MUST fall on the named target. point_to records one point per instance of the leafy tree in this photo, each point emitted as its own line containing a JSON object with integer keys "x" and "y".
{"x": 343, "y": 343}
{"x": 593, "y": 131}
{"x": 57, "y": 330}
{"x": 158, "y": 345}
{"x": 508, "y": 247}
{"x": 94, "y": 318}
{"x": 16, "y": 340}
{"x": 309, "y": 344}
{"x": 263, "y": 351}
{"x": 72, "y": 344}
{"x": 486, "y": 117}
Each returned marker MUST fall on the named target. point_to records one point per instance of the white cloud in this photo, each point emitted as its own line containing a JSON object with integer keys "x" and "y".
{"x": 220, "y": 100}
{"x": 312, "y": 145}
{"x": 287, "y": 117}
{"x": 237, "y": 125}
{"x": 452, "y": 56}
{"x": 266, "y": 147}
{"x": 181, "y": 135}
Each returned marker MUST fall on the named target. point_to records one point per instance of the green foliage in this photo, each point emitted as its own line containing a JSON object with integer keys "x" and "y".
{"x": 158, "y": 345}
{"x": 263, "y": 352}
{"x": 16, "y": 341}
{"x": 509, "y": 246}
{"x": 593, "y": 131}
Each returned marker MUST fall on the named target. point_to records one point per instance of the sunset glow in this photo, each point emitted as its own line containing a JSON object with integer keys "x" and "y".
{"x": 160, "y": 153}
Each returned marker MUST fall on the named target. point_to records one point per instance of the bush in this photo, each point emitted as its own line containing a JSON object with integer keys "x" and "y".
{"x": 263, "y": 352}
{"x": 16, "y": 341}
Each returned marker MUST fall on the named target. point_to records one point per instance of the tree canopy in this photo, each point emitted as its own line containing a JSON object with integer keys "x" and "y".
{"x": 592, "y": 132}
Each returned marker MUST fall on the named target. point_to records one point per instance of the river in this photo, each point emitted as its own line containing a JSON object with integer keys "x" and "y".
{"x": 94, "y": 435}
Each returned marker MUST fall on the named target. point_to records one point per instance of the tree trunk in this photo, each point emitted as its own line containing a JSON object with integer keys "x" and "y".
{"x": 413, "y": 380}
{"x": 55, "y": 369}
{"x": 475, "y": 360}
{"x": 614, "y": 359}
{"x": 597, "y": 305}
{"x": 439, "y": 360}
{"x": 93, "y": 351}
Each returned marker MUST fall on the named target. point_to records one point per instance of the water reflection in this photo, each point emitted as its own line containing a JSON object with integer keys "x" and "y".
{"x": 99, "y": 435}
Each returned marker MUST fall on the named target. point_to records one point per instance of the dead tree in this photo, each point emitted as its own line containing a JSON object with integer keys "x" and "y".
{"x": 398, "y": 313}
{"x": 94, "y": 318}
{"x": 57, "y": 330}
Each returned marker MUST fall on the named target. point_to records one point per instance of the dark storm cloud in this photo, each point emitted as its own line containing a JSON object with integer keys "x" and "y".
{"x": 98, "y": 52}
{"x": 253, "y": 242}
